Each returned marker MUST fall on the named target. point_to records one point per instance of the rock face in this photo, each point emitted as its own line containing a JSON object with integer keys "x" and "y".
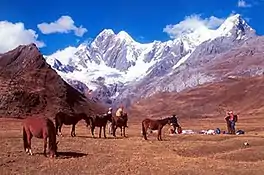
{"x": 30, "y": 86}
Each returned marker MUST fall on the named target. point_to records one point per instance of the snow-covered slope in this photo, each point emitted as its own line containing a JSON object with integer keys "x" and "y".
{"x": 114, "y": 63}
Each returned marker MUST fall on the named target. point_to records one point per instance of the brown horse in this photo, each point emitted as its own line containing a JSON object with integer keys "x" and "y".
{"x": 157, "y": 125}
{"x": 63, "y": 118}
{"x": 99, "y": 121}
{"x": 42, "y": 128}
{"x": 120, "y": 122}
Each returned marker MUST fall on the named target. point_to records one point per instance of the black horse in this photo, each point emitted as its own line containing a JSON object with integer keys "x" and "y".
{"x": 63, "y": 118}
{"x": 99, "y": 121}
{"x": 119, "y": 122}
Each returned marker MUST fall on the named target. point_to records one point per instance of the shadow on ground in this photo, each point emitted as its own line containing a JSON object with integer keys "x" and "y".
{"x": 66, "y": 155}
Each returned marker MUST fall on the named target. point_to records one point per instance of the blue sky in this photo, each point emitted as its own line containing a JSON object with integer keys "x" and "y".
{"x": 143, "y": 20}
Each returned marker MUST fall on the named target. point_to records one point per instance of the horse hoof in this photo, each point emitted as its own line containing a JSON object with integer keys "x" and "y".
{"x": 30, "y": 152}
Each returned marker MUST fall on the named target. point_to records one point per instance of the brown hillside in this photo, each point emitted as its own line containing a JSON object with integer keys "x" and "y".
{"x": 30, "y": 86}
{"x": 244, "y": 95}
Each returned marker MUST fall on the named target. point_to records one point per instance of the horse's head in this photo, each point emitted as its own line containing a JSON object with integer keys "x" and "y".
{"x": 174, "y": 121}
{"x": 53, "y": 150}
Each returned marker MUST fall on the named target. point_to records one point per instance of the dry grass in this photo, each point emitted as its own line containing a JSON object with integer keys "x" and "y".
{"x": 181, "y": 154}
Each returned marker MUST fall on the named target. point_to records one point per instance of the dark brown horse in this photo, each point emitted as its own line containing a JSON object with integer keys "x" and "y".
{"x": 119, "y": 122}
{"x": 99, "y": 121}
{"x": 157, "y": 125}
{"x": 66, "y": 119}
{"x": 42, "y": 128}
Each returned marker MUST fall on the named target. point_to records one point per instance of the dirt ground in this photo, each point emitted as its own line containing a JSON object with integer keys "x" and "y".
{"x": 179, "y": 154}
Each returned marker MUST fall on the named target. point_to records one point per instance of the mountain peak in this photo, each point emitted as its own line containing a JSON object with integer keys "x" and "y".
{"x": 234, "y": 20}
{"x": 124, "y": 35}
{"x": 235, "y": 25}
{"x": 107, "y": 32}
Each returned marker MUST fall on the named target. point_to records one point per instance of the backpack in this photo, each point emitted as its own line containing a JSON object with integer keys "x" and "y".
{"x": 217, "y": 131}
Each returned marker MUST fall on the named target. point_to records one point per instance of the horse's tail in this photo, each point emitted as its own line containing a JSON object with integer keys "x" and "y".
{"x": 144, "y": 132}
{"x": 25, "y": 139}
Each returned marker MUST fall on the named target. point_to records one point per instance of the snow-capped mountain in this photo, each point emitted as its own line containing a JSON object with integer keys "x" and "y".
{"x": 116, "y": 67}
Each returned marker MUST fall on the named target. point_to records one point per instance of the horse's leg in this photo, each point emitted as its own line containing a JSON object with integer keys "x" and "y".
{"x": 104, "y": 131}
{"x": 25, "y": 140}
{"x": 45, "y": 145}
{"x": 92, "y": 130}
{"x": 29, "y": 137}
{"x": 100, "y": 131}
{"x": 74, "y": 134}
{"x": 114, "y": 130}
{"x": 57, "y": 127}
{"x": 144, "y": 131}
{"x": 109, "y": 128}
{"x": 121, "y": 131}
{"x": 124, "y": 130}
{"x": 159, "y": 134}
{"x": 73, "y": 130}
{"x": 60, "y": 126}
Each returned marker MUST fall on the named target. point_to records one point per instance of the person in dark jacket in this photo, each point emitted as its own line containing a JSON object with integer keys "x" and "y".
{"x": 231, "y": 120}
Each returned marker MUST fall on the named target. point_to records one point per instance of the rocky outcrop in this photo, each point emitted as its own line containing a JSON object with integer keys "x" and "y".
{"x": 30, "y": 86}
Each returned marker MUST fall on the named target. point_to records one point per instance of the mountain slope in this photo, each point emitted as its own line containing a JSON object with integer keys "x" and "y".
{"x": 30, "y": 86}
{"x": 243, "y": 95}
{"x": 119, "y": 69}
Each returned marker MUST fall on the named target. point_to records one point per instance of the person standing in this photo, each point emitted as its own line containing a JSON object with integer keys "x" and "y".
{"x": 231, "y": 120}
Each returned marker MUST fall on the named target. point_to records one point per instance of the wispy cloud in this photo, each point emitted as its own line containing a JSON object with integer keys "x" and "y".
{"x": 15, "y": 34}
{"x": 191, "y": 24}
{"x": 243, "y": 4}
{"x": 64, "y": 24}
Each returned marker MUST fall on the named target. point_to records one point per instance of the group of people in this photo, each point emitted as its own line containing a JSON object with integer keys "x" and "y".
{"x": 119, "y": 112}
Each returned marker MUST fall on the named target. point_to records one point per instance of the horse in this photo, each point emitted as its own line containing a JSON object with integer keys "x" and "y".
{"x": 99, "y": 121}
{"x": 120, "y": 122}
{"x": 63, "y": 118}
{"x": 158, "y": 125}
{"x": 42, "y": 128}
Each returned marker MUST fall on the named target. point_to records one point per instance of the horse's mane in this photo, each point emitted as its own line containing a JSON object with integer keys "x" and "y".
{"x": 162, "y": 119}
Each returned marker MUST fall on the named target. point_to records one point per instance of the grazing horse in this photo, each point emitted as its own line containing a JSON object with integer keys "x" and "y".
{"x": 120, "y": 122}
{"x": 63, "y": 118}
{"x": 157, "y": 125}
{"x": 99, "y": 121}
{"x": 42, "y": 128}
